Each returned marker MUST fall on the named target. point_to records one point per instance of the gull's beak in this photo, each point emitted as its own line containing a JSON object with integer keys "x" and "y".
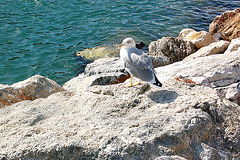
{"x": 120, "y": 45}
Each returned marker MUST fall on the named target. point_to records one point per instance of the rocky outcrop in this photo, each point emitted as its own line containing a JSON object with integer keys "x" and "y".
{"x": 168, "y": 50}
{"x": 227, "y": 25}
{"x": 199, "y": 39}
{"x": 113, "y": 122}
{"x": 29, "y": 89}
{"x": 214, "y": 48}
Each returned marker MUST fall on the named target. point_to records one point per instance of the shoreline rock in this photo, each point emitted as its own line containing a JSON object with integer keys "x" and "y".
{"x": 214, "y": 48}
{"x": 168, "y": 50}
{"x": 104, "y": 51}
{"x": 32, "y": 88}
{"x": 199, "y": 39}
{"x": 116, "y": 122}
{"x": 227, "y": 25}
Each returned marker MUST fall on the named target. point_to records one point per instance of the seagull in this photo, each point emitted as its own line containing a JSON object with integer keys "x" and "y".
{"x": 137, "y": 63}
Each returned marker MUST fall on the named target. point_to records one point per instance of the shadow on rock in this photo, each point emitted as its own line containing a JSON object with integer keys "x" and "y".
{"x": 163, "y": 96}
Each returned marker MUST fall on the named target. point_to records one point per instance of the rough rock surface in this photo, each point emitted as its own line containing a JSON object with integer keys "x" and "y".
{"x": 234, "y": 47}
{"x": 101, "y": 72}
{"x": 169, "y": 49}
{"x": 214, "y": 48}
{"x": 231, "y": 92}
{"x": 170, "y": 158}
{"x": 29, "y": 89}
{"x": 214, "y": 70}
{"x": 227, "y": 24}
{"x": 113, "y": 122}
{"x": 199, "y": 39}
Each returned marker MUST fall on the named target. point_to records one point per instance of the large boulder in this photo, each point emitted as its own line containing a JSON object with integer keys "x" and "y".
{"x": 199, "y": 39}
{"x": 214, "y": 48}
{"x": 227, "y": 25}
{"x": 113, "y": 122}
{"x": 32, "y": 88}
{"x": 169, "y": 49}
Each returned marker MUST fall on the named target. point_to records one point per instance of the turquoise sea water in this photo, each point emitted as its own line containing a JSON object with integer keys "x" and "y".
{"x": 41, "y": 36}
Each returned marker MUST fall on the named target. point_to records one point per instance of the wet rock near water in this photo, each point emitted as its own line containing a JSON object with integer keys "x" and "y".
{"x": 104, "y": 51}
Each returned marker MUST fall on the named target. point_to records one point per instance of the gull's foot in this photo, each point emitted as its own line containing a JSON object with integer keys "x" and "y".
{"x": 128, "y": 85}
{"x": 132, "y": 84}
{"x": 136, "y": 83}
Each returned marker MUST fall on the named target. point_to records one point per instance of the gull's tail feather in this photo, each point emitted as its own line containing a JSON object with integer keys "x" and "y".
{"x": 157, "y": 83}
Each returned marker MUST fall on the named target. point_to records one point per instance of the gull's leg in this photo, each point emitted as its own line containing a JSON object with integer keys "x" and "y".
{"x": 137, "y": 83}
{"x": 131, "y": 84}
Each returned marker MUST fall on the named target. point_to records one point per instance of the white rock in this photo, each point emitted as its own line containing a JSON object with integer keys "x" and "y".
{"x": 104, "y": 71}
{"x": 214, "y": 70}
{"x": 186, "y": 32}
{"x": 214, "y": 48}
{"x": 199, "y": 39}
{"x": 130, "y": 123}
{"x": 234, "y": 47}
{"x": 231, "y": 92}
{"x": 170, "y": 158}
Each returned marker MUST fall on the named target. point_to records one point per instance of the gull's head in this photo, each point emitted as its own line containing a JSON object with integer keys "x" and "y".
{"x": 127, "y": 43}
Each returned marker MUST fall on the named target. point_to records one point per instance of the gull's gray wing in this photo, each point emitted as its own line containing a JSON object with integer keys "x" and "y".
{"x": 140, "y": 65}
{"x": 139, "y": 58}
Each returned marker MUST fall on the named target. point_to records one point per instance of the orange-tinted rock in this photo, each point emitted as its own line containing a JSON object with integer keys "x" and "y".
{"x": 227, "y": 24}
{"x": 30, "y": 89}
